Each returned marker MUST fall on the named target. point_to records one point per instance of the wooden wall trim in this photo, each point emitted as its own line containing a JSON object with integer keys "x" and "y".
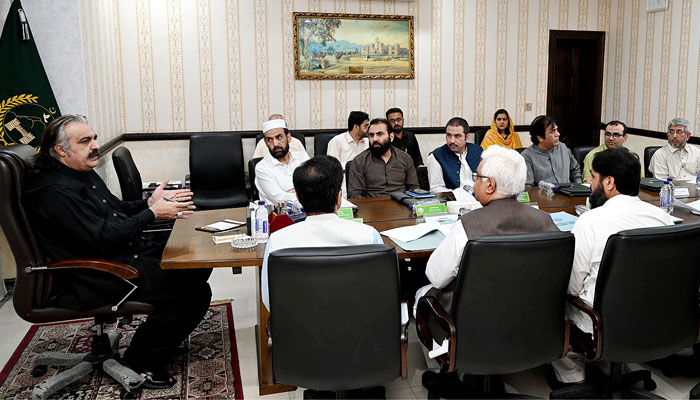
{"x": 111, "y": 145}
{"x": 652, "y": 134}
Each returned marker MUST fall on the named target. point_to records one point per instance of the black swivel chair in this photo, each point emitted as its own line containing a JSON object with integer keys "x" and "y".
{"x": 347, "y": 171}
{"x": 479, "y": 136}
{"x": 129, "y": 176}
{"x": 217, "y": 177}
{"x": 648, "y": 153}
{"x": 580, "y": 154}
{"x": 254, "y": 194}
{"x": 335, "y": 318}
{"x": 645, "y": 307}
{"x": 520, "y": 149}
{"x": 321, "y": 143}
{"x": 507, "y": 309}
{"x": 297, "y": 135}
{"x": 36, "y": 284}
{"x": 423, "y": 181}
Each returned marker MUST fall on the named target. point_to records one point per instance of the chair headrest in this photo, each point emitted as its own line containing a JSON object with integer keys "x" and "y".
{"x": 23, "y": 152}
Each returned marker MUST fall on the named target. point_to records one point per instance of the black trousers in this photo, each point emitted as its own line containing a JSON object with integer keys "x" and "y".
{"x": 181, "y": 298}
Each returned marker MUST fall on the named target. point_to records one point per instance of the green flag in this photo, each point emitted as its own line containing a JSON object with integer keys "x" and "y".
{"x": 27, "y": 103}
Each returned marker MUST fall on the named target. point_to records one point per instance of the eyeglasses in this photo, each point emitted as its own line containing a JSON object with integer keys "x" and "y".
{"x": 677, "y": 132}
{"x": 613, "y": 135}
{"x": 476, "y": 175}
{"x": 395, "y": 120}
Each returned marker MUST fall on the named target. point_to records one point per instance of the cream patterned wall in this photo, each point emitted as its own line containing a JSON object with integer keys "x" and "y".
{"x": 203, "y": 65}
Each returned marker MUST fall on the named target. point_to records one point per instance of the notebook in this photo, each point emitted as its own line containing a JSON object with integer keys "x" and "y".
{"x": 651, "y": 184}
{"x": 574, "y": 189}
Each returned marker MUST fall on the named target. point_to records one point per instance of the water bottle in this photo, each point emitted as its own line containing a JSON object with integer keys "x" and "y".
{"x": 671, "y": 195}
{"x": 664, "y": 197}
{"x": 261, "y": 222}
{"x": 697, "y": 184}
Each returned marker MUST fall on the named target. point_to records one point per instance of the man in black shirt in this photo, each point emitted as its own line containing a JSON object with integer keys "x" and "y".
{"x": 74, "y": 215}
{"x": 403, "y": 140}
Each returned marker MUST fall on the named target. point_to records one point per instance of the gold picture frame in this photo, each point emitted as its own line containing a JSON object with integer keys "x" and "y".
{"x": 353, "y": 46}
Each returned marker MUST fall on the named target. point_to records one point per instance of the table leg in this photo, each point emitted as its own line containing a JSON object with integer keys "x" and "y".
{"x": 265, "y": 387}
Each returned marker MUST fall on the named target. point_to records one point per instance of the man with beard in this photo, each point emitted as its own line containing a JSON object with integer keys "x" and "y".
{"x": 345, "y": 146}
{"x": 261, "y": 148}
{"x": 273, "y": 174}
{"x": 382, "y": 168}
{"x": 451, "y": 165}
{"x": 74, "y": 215}
{"x": 614, "y": 207}
{"x": 548, "y": 159}
{"x": 677, "y": 160}
{"x": 403, "y": 140}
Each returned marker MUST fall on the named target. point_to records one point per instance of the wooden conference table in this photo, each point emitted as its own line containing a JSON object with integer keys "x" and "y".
{"x": 188, "y": 248}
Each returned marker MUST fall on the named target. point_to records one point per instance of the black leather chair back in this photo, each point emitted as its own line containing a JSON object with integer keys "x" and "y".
{"x": 648, "y": 153}
{"x": 580, "y": 154}
{"x": 321, "y": 143}
{"x": 129, "y": 176}
{"x": 479, "y": 136}
{"x": 520, "y": 149}
{"x": 647, "y": 292}
{"x": 217, "y": 177}
{"x": 347, "y": 172}
{"x": 297, "y": 135}
{"x": 254, "y": 194}
{"x": 508, "y": 305}
{"x": 14, "y": 160}
{"x": 335, "y": 316}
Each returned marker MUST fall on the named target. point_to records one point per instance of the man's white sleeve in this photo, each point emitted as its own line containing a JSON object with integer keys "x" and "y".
{"x": 443, "y": 264}
{"x": 437, "y": 182}
{"x": 269, "y": 188}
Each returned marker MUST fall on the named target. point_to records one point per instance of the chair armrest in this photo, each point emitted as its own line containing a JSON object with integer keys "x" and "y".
{"x": 429, "y": 307}
{"x": 590, "y": 350}
{"x": 121, "y": 270}
{"x": 404, "y": 339}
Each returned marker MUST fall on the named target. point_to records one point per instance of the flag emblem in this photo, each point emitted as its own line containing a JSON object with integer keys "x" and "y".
{"x": 23, "y": 119}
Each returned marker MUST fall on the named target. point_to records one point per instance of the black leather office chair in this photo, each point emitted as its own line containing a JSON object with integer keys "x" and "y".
{"x": 507, "y": 309}
{"x": 347, "y": 172}
{"x": 321, "y": 143}
{"x": 35, "y": 286}
{"x": 645, "y": 307}
{"x": 580, "y": 154}
{"x": 520, "y": 149}
{"x": 129, "y": 176}
{"x": 217, "y": 177}
{"x": 648, "y": 153}
{"x": 479, "y": 136}
{"x": 297, "y": 135}
{"x": 335, "y": 318}
{"x": 254, "y": 194}
{"x": 423, "y": 181}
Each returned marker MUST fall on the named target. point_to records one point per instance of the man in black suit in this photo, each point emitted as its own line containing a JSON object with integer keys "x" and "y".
{"x": 75, "y": 215}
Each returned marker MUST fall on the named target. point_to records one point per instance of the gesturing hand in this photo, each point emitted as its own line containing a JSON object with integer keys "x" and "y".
{"x": 177, "y": 195}
{"x": 164, "y": 209}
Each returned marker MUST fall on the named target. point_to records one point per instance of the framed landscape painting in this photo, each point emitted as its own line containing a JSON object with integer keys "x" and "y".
{"x": 353, "y": 46}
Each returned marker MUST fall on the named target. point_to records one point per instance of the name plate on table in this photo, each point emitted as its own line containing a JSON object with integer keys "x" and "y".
{"x": 523, "y": 197}
{"x": 345, "y": 213}
{"x": 431, "y": 209}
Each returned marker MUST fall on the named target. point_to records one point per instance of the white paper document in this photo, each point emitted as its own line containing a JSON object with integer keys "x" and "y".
{"x": 412, "y": 232}
{"x": 694, "y": 207}
{"x": 463, "y": 195}
{"x": 224, "y": 225}
{"x": 344, "y": 203}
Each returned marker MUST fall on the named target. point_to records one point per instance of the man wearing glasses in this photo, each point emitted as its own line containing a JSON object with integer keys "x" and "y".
{"x": 500, "y": 177}
{"x": 403, "y": 140}
{"x": 615, "y": 136}
{"x": 547, "y": 159}
{"x": 677, "y": 160}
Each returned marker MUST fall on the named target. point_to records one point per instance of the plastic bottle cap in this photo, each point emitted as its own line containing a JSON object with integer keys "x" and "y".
{"x": 261, "y": 202}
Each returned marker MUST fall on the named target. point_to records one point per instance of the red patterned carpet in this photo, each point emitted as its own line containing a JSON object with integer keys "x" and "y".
{"x": 210, "y": 370}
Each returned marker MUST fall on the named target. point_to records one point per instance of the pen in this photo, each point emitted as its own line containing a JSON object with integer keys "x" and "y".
{"x": 174, "y": 201}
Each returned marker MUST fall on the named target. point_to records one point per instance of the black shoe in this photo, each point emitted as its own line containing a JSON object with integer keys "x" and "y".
{"x": 158, "y": 380}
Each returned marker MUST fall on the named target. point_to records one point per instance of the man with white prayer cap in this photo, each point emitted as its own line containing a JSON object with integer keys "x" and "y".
{"x": 261, "y": 149}
{"x": 273, "y": 174}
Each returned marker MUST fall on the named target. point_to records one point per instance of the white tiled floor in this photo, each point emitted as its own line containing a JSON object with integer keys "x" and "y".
{"x": 241, "y": 289}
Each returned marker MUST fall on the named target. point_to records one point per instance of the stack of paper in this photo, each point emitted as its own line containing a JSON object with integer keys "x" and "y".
{"x": 694, "y": 207}
{"x": 563, "y": 220}
{"x": 423, "y": 236}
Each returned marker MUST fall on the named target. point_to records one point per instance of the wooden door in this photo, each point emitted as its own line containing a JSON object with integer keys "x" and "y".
{"x": 575, "y": 85}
